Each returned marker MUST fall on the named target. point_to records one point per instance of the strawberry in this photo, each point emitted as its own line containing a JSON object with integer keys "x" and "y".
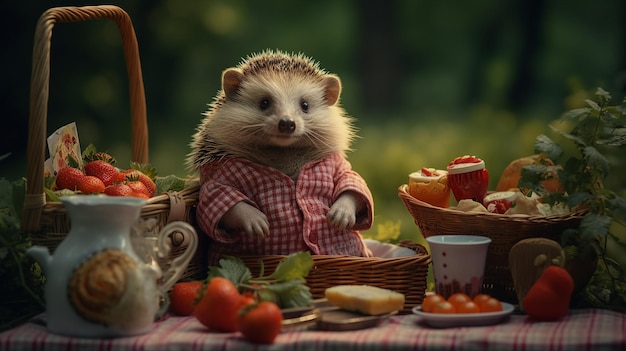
{"x": 104, "y": 156}
{"x": 103, "y": 170}
{"x": 141, "y": 195}
{"x": 67, "y": 178}
{"x": 138, "y": 189}
{"x": 90, "y": 185}
{"x": 549, "y": 297}
{"x": 118, "y": 190}
{"x": 465, "y": 159}
{"x": 91, "y": 154}
{"x": 183, "y": 297}
{"x": 430, "y": 172}
{"x": 135, "y": 174}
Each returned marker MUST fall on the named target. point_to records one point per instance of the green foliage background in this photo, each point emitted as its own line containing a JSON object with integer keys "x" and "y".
{"x": 427, "y": 81}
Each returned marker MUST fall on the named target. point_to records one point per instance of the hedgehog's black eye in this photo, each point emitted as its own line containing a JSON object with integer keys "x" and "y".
{"x": 304, "y": 106}
{"x": 264, "y": 104}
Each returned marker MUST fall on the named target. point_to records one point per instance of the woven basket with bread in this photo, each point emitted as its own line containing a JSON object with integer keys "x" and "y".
{"x": 47, "y": 222}
{"x": 505, "y": 230}
{"x": 405, "y": 275}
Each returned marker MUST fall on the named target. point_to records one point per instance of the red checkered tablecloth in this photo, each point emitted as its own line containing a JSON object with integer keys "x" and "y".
{"x": 579, "y": 330}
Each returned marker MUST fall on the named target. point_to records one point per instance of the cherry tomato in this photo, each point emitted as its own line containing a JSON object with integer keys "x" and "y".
{"x": 481, "y": 298}
{"x": 490, "y": 305}
{"x": 260, "y": 323}
{"x": 444, "y": 307}
{"x": 430, "y": 301}
{"x": 467, "y": 307}
{"x": 458, "y": 298}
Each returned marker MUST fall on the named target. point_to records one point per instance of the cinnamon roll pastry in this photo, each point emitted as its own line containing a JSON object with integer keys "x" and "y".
{"x": 109, "y": 288}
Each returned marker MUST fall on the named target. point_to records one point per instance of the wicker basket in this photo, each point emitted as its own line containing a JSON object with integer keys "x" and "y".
{"x": 504, "y": 231}
{"x": 406, "y": 275}
{"x": 47, "y": 222}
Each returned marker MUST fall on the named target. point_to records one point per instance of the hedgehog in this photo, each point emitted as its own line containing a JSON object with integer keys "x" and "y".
{"x": 271, "y": 152}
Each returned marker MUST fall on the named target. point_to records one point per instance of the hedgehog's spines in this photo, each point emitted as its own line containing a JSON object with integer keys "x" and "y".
{"x": 234, "y": 126}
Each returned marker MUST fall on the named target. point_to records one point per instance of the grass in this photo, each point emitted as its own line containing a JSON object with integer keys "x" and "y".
{"x": 385, "y": 155}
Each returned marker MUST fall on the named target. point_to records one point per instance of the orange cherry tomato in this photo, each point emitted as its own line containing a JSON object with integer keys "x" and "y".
{"x": 467, "y": 307}
{"x": 444, "y": 307}
{"x": 481, "y": 298}
{"x": 490, "y": 305}
{"x": 458, "y": 298}
{"x": 430, "y": 301}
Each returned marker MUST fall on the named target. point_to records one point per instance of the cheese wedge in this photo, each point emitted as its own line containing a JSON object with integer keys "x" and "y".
{"x": 365, "y": 299}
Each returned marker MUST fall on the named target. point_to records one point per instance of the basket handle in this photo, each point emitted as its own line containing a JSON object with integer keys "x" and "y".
{"x": 40, "y": 79}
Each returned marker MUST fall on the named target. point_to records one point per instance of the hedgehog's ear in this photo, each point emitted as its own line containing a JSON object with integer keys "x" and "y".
{"x": 332, "y": 83}
{"x": 231, "y": 79}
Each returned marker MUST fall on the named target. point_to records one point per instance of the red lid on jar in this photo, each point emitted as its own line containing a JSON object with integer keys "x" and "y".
{"x": 459, "y": 168}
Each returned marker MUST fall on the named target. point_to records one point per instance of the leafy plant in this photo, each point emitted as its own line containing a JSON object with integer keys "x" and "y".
{"x": 22, "y": 294}
{"x": 582, "y": 167}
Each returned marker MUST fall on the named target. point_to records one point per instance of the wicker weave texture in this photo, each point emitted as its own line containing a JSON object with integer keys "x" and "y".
{"x": 504, "y": 232}
{"x": 406, "y": 275}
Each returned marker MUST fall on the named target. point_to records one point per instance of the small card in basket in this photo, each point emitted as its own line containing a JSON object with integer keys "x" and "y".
{"x": 62, "y": 145}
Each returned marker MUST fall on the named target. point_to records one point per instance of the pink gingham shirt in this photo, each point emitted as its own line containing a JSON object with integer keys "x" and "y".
{"x": 296, "y": 210}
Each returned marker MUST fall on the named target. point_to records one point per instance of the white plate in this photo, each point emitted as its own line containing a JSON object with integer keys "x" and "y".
{"x": 463, "y": 319}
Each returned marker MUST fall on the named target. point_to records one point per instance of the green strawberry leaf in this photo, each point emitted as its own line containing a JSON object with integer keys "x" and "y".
{"x": 169, "y": 183}
{"x": 286, "y": 286}
{"x": 233, "y": 269}
{"x": 294, "y": 266}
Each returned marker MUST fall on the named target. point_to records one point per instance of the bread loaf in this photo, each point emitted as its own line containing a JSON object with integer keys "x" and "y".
{"x": 365, "y": 299}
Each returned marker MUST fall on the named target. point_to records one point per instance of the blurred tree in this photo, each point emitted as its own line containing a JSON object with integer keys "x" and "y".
{"x": 514, "y": 30}
{"x": 531, "y": 20}
{"x": 379, "y": 54}
{"x": 409, "y": 62}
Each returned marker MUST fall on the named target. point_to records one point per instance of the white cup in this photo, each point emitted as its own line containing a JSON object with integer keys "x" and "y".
{"x": 458, "y": 263}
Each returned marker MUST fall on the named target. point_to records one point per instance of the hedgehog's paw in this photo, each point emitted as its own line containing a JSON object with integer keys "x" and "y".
{"x": 342, "y": 214}
{"x": 247, "y": 218}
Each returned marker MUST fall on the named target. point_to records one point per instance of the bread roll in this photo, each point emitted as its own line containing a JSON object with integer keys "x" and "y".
{"x": 365, "y": 299}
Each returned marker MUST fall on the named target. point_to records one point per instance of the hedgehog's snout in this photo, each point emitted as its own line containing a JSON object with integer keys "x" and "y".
{"x": 286, "y": 125}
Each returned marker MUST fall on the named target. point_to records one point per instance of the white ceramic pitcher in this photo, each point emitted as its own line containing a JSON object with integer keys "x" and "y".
{"x": 96, "y": 284}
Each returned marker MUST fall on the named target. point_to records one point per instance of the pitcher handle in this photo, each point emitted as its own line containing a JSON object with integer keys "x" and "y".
{"x": 180, "y": 263}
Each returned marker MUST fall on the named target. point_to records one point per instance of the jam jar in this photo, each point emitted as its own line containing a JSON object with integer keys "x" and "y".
{"x": 431, "y": 186}
{"x": 500, "y": 201}
{"x": 468, "y": 178}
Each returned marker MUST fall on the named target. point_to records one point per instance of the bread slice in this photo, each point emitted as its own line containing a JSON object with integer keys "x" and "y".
{"x": 365, "y": 299}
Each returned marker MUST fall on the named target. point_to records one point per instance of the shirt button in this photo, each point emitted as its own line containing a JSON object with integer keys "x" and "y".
{"x": 313, "y": 238}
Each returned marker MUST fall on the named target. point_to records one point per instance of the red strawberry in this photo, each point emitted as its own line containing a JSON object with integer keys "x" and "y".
{"x": 138, "y": 188}
{"x": 141, "y": 196}
{"x": 118, "y": 190}
{"x": 134, "y": 174}
{"x": 90, "y": 185}
{"x": 465, "y": 159}
{"x": 549, "y": 297}
{"x": 183, "y": 297}
{"x": 103, "y": 170}
{"x": 67, "y": 178}
{"x": 103, "y": 156}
